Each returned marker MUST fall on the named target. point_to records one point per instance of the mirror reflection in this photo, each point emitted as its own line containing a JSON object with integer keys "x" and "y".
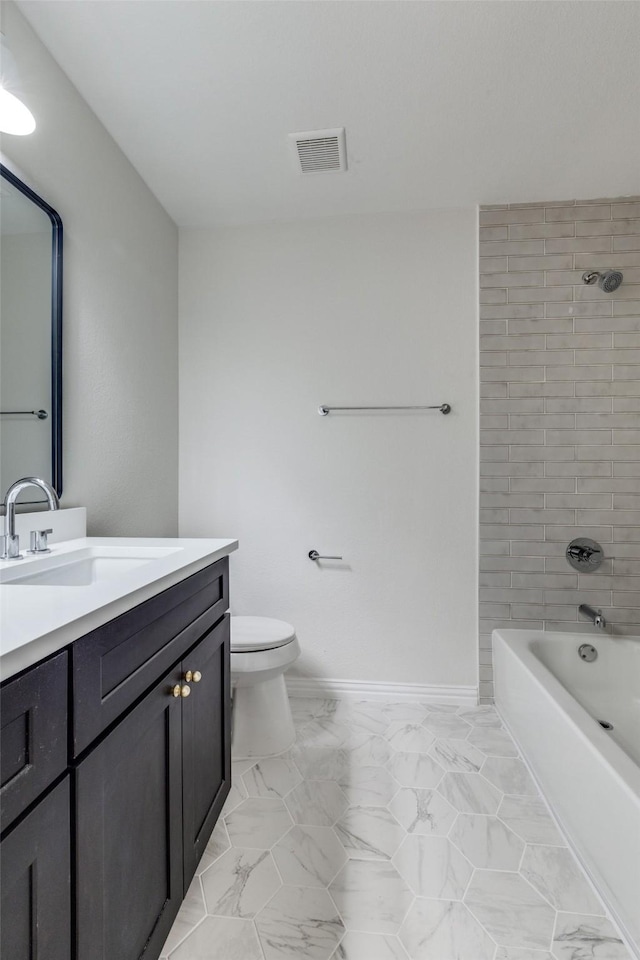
{"x": 30, "y": 334}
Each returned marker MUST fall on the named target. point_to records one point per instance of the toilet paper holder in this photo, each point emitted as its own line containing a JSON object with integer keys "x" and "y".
{"x": 314, "y": 555}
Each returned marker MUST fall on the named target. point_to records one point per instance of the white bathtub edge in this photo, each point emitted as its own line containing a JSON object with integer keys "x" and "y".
{"x": 514, "y": 673}
{"x": 611, "y": 913}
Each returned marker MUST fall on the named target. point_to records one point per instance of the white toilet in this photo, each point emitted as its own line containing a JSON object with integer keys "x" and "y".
{"x": 261, "y": 650}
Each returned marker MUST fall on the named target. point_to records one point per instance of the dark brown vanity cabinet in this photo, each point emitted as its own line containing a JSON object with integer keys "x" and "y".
{"x": 148, "y": 771}
{"x": 33, "y": 735}
{"x": 147, "y": 798}
{"x": 35, "y": 852}
{"x": 35, "y": 877}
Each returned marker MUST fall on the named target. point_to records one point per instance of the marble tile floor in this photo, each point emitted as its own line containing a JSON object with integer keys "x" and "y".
{"x": 390, "y": 831}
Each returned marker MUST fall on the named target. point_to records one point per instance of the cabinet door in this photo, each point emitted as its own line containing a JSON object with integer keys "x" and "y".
{"x": 36, "y": 883}
{"x": 33, "y": 733}
{"x": 129, "y": 832}
{"x": 206, "y": 737}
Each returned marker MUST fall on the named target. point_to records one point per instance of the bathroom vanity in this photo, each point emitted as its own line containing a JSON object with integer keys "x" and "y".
{"x": 115, "y": 743}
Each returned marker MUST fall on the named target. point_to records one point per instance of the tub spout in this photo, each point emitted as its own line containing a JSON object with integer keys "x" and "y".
{"x": 592, "y": 614}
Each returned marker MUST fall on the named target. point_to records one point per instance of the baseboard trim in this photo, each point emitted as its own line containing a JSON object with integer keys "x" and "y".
{"x": 371, "y": 690}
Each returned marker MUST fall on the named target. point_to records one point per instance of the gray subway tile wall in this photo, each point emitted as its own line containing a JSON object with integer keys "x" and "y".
{"x": 559, "y": 416}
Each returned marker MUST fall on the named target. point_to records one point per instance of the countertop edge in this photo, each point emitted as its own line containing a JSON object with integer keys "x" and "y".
{"x": 33, "y": 651}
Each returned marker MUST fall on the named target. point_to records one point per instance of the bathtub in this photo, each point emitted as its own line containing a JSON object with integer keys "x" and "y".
{"x": 552, "y": 702}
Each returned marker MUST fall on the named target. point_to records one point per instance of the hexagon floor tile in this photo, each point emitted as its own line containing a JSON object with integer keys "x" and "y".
{"x": 422, "y": 811}
{"x": 299, "y": 922}
{"x": 240, "y": 883}
{"x": 433, "y": 867}
{"x": 444, "y": 928}
{"x": 493, "y": 742}
{"x": 487, "y": 842}
{"x": 218, "y": 843}
{"x": 332, "y": 733}
{"x": 218, "y": 937}
{"x": 415, "y": 770}
{"x": 515, "y": 953}
{"x": 510, "y": 909}
{"x": 317, "y": 803}
{"x": 369, "y": 946}
{"x": 595, "y": 938}
{"x": 483, "y": 716}
{"x": 305, "y": 709}
{"x": 368, "y": 785}
{"x": 530, "y": 819}
{"x": 369, "y": 833}
{"x": 236, "y": 795}
{"x": 191, "y": 913}
{"x": 509, "y": 775}
{"x": 258, "y": 823}
{"x": 457, "y": 755}
{"x": 441, "y": 708}
{"x": 470, "y": 793}
{"x": 409, "y": 737}
{"x": 405, "y": 712}
{"x": 273, "y": 777}
{"x": 371, "y": 896}
{"x": 555, "y": 874}
{"x": 446, "y": 725}
{"x": 390, "y": 831}
{"x": 369, "y": 716}
{"x": 309, "y": 856}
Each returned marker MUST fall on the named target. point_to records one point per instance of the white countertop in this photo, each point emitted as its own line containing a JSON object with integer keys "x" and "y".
{"x": 35, "y": 621}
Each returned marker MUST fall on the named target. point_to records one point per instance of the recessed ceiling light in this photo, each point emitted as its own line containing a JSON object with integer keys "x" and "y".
{"x": 15, "y": 117}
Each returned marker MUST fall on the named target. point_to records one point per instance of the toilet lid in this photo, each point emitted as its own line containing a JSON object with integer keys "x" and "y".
{"x": 259, "y": 633}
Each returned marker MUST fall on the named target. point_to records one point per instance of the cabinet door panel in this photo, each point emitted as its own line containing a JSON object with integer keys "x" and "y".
{"x": 129, "y": 843}
{"x": 33, "y": 718}
{"x": 36, "y": 883}
{"x": 206, "y": 724}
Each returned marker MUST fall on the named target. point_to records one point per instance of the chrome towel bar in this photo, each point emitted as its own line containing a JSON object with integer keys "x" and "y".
{"x": 442, "y": 407}
{"x": 40, "y": 414}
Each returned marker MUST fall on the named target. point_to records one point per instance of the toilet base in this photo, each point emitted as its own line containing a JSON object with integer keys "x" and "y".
{"x": 262, "y": 721}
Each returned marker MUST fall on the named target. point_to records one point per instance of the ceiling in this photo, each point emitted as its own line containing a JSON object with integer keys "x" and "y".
{"x": 444, "y": 103}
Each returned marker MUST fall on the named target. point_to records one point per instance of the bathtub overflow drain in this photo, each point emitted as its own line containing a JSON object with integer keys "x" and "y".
{"x": 587, "y": 652}
{"x": 605, "y": 724}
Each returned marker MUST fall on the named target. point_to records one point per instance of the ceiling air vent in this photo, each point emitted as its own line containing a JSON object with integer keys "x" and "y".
{"x": 320, "y": 151}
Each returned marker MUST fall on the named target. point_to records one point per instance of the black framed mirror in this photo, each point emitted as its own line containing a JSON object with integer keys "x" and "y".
{"x": 30, "y": 335}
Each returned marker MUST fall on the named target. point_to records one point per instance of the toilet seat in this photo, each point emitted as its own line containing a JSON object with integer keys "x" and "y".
{"x": 252, "y": 634}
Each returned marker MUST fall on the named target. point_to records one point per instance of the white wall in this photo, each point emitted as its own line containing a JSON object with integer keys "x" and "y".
{"x": 276, "y": 319}
{"x": 120, "y": 304}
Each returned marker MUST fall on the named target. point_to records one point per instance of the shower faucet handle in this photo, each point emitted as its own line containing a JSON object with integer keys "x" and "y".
{"x": 580, "y": 553}
{"x": 585, "y": 554}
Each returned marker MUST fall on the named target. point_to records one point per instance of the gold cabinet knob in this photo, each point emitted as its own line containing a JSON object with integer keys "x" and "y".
{"x": 193, "y": 676}
{"x": 175, "y": 691}
{"x": 185, "y": 690}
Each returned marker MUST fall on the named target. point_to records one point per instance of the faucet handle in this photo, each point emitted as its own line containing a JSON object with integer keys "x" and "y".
{"x": 10, "y": 547}
{"x": 584, "y": 554}
{"x": 38, "y": 541}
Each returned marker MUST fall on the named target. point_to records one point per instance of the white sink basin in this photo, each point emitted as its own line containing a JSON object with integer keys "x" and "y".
{"x": 83, "y": 567}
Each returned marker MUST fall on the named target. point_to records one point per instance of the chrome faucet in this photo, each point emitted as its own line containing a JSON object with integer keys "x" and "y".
{"x": 11, "y": 542}
{"x": 594, "y": 615}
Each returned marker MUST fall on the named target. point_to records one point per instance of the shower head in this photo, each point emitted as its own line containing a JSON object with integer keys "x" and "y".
{"x": 608, "y": 280}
